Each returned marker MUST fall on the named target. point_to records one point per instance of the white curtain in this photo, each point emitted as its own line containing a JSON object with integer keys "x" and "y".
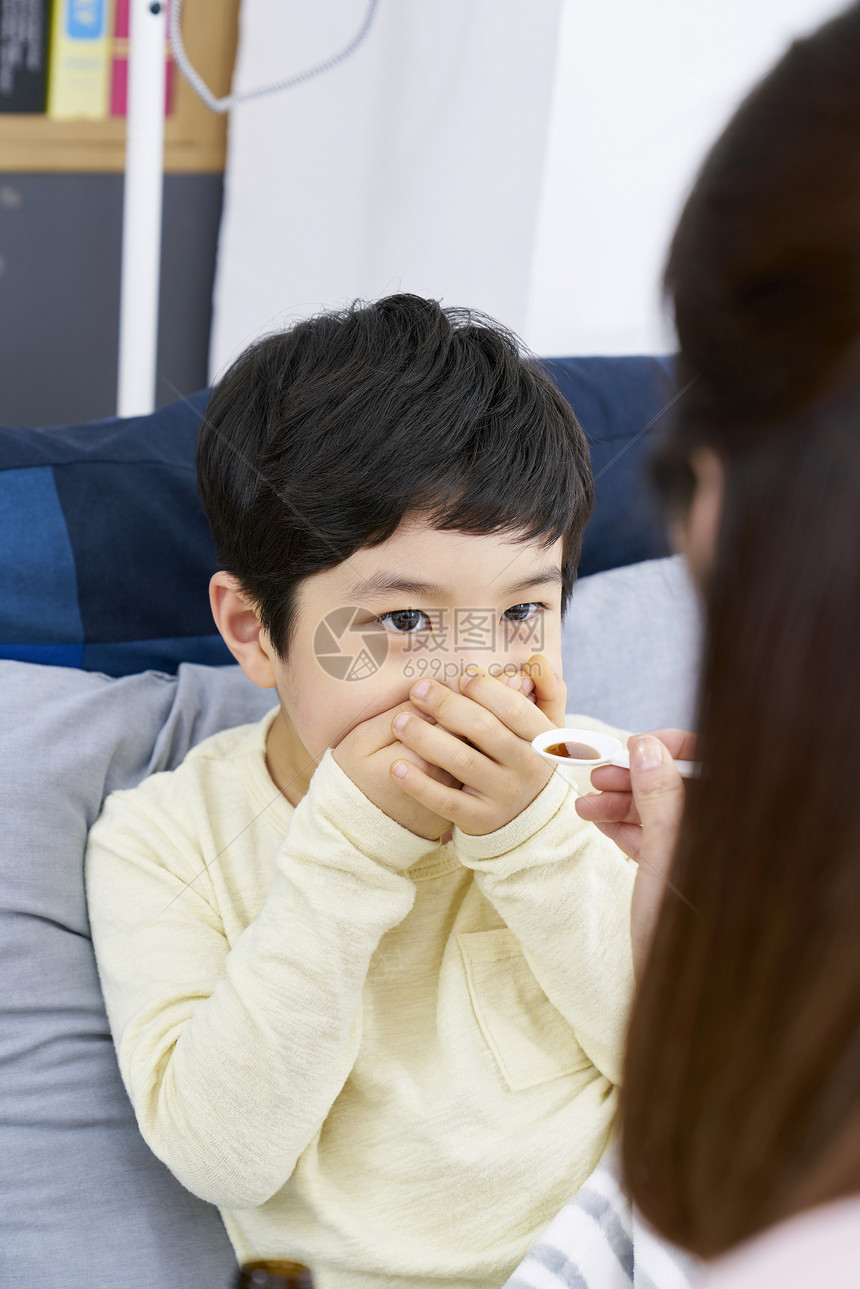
{"x": 415, "y": 165}
{"x": 524, "y": 157}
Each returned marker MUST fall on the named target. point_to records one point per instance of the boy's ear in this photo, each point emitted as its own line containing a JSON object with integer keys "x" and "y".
{"x": 240, "y": 625}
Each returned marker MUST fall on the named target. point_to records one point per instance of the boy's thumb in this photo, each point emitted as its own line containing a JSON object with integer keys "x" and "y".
{"x": 549, "y": 686}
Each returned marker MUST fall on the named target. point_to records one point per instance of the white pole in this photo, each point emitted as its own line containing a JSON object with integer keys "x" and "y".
{"x": 141, "y": 212}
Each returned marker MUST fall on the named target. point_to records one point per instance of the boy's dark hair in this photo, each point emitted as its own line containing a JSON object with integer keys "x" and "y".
{"x": 321, "y": 439}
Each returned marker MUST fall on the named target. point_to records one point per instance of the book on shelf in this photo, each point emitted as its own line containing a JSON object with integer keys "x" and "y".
{"x": 24, "y": 29}
{"x": 80, "y": 59}
{"x": 119, "y": 65}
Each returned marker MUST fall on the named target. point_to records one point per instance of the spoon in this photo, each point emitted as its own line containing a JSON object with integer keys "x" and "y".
{"x": 592, "y": 748}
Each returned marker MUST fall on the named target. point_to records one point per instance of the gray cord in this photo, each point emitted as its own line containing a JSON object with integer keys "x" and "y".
{"x": 197, "y": 83}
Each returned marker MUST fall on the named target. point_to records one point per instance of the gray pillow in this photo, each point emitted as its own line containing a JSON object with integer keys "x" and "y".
{"x": 631, "y": 645}
{"x": 85, "y": 1203}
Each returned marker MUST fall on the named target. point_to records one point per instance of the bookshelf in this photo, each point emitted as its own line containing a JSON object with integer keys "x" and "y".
{"x": 195, "y": 139}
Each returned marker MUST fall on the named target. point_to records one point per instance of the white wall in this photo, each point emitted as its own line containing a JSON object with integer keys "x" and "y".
{"x": 641, "y": 91}
{"x": 525, "y": 157}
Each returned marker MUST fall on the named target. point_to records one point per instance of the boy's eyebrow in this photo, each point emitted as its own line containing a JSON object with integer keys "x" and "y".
{"x": 541, "y": 577}
{"x": 384, "y": 583}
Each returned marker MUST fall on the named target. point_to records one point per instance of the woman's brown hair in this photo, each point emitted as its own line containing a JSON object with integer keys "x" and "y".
{"x": 741, "y": 1099}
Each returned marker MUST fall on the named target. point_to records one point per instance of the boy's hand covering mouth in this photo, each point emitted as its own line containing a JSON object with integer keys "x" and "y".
{"x": 481, "y": 738}
{"x": 545, "y": 688}
{"x": 366, "y": 753}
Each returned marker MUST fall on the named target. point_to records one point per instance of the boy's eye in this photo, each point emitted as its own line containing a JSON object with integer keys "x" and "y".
{"x": 405, "y": 621}
{"x": 522, "y": 612}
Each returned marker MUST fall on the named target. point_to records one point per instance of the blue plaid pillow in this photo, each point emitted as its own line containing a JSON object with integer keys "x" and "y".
{"x": 620, "y": 403}
{"x": 107, "y": 554}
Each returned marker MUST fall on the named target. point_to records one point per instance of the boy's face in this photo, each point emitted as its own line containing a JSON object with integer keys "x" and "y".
{"x": 424, "y": 603}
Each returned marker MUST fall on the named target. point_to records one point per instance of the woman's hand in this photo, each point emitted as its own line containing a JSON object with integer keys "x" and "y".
{"x": 640, "y": 809}
{"x": 481, "y": 739}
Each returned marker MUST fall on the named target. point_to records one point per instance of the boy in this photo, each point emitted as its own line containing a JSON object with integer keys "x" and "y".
{"x": 383, "y": 1048}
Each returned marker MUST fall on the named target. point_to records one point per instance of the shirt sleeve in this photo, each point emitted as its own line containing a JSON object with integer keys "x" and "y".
{"x": 232, "y": 1057}
{"x": 565, "y": 891}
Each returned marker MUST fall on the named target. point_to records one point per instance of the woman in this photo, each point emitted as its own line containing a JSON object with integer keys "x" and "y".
{"x": 741, "y": 1107}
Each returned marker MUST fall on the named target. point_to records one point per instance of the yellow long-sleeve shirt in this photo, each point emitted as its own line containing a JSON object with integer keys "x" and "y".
{"x": 391, "y": 1060}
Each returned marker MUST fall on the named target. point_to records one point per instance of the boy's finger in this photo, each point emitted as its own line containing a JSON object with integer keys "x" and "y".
{"x": 504, "y": 701}
{"x": 376, "y": 731}
{"x": 436, "y": 746}
{"x": 495, "y": 697}
{"x": 476, "y": 721}
{"x": 432, "y": 771}
{"x": 550, "y": 691}
{"x": 523, "y": 685}
{"x": 450, "y": 803}
{"x": 409, "y": 707}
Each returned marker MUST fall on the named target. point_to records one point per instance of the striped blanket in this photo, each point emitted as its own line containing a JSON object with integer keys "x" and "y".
{"x": 599, "y": 1241}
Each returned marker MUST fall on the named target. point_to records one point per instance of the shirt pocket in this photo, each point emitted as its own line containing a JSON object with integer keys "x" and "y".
{"x": 528, "y": 1036}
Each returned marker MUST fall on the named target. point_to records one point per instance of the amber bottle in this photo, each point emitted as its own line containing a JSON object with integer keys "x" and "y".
{"x": 272, "y": 1274}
